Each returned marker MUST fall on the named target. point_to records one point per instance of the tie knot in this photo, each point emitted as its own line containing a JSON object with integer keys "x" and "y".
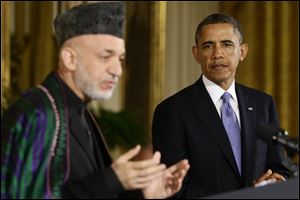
{"x": 225, "y": 97}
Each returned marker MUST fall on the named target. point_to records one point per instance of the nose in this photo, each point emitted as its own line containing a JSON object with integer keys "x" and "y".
{"x": 115, "y": 69}
{"x": 217, "y": 52}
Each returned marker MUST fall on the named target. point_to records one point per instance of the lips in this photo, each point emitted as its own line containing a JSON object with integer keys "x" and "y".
{"x": 107, "y": 85}
{"x": 217, "y": 65}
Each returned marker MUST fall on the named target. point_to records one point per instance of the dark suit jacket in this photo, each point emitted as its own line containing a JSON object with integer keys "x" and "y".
{"x": 187, "y": 125}
{"x": 91, "y": 175}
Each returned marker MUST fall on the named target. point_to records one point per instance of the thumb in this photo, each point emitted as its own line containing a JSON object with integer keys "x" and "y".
{"x": 269, "y": 172}
{"x": 129, "y": 154}
{"x": 157, "y": 156}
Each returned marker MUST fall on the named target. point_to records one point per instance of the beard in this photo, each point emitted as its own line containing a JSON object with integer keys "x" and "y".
{"x": 89, "y": 87}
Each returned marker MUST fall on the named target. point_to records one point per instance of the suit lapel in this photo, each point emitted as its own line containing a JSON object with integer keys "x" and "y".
{"x": 208, "y": 114}
{"x": 247, "y": 115}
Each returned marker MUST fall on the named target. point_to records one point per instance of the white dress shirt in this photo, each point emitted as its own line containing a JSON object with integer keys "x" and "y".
{"x": 215, "y": 92}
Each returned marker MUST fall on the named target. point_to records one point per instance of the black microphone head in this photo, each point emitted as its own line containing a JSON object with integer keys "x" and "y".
{"x": 269, "y": 133}
{"x": 272, "y": 135}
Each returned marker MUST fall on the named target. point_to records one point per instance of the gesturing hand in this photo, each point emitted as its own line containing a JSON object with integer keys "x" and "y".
{"x": 137, "y": 174}
{"x": 168, "y": 183}
{"x": 269, "y": 176}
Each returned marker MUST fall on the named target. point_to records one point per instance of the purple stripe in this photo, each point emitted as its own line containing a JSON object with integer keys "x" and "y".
{"x": 10, "y": 141}
{"x": 14, "y": 141}
{"x": 39, "y": 141}
{"x": 47, "y": 195}
{"x": 5, "y": 160}
{"x": 5, "y": 196}
{"x": 23, "y": 121}
{"x": 18, "y": 164}
{"x": 3, "y": 177}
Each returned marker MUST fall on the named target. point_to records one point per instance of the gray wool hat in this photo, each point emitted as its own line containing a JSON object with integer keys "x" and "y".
{"x": 92, "y": 18}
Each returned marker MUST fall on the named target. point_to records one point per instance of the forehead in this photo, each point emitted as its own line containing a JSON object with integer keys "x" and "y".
{"x": 100, "y": 42}
{"x": 215, "y": 32}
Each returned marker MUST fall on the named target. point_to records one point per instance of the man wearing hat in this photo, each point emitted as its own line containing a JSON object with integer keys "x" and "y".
{"x": 51, "y": 145}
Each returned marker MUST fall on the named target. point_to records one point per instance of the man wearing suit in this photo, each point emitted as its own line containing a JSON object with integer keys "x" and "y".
{"x": 213, "y": 122}
{"x": 51, "y": 147}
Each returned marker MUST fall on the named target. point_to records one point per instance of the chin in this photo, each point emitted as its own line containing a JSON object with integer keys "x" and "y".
{"x": 219, "y": 77}
{"x": 102, "y": 95}
{"x": 98, "y": 94}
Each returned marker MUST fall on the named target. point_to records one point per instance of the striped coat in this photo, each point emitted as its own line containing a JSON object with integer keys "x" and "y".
{"x": 34, "y": 144}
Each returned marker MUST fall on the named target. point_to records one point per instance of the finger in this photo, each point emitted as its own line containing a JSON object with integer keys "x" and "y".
{"x": 269, "y": 172}
{"x": 157, "y": 156}
{"x": 175, "y": 181}
{"x": 147, "y": 163}
{"x": 129, "y": 154}
{"x": 151, "y": 170}
{"x": 263, "y": 177}
{"x": 277, "y": 176}
{"x": 144, "y": 163}
{"x": 181, "y": 165}
{"x": 138, "y": 185}
{"x": 148, "y": 179}
{"x": 180, "y": 174}
{"x": 175, "y": 185}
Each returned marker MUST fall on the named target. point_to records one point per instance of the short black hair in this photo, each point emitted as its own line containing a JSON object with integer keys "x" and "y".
{"x": 220, "y": 18}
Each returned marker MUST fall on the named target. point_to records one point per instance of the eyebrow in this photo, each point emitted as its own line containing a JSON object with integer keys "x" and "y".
{"x": 207, "y": 42}
{"x": 109, "y": 51}
{"x": 227, "y": 41}
{"x": 112, "y": 52}
{"x": 222, "y": 41}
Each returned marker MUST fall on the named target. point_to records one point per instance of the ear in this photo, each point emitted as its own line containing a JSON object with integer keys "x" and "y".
{"x": 244, "y": 51}
{"x": 69, "y": 58}
{"x": 195, "y": 51}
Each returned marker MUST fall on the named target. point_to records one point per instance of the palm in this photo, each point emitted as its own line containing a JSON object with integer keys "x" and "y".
{"x": 160, "y": 188}
{"x": 168, "y": 183}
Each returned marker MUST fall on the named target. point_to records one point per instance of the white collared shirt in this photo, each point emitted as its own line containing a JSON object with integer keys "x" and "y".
{"x": 215, "y": 92}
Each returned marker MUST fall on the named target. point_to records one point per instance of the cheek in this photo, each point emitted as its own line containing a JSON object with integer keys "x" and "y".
{"x": 94, "y": 70}
{"x": 204, "y": 59}
{"x": 100, "y": 75}
{"x": 233, "y": 57}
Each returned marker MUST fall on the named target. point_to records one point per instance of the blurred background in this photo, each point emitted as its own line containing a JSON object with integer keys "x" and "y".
{"x": 159, "y": 61}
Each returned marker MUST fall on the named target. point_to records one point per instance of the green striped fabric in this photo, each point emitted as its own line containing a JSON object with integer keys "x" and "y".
{"x": 28, "y": 129}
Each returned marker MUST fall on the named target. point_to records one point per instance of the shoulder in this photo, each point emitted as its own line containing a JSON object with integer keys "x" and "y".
{"x": 256, "y": 96}
{"x": 32, "y": 103}
{"x": 31, "y": 99}
{"x": 179, "y": 98}
{"x": 252, "y": 91}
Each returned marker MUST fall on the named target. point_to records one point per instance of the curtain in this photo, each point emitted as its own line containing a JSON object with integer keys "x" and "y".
{"x": 5, "y": 54}
{"x": 29, "y": 49}
{"x": 271, "y": 30}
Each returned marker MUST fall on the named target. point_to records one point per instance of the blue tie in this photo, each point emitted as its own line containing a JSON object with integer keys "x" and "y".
{"x": 232, "y": 127}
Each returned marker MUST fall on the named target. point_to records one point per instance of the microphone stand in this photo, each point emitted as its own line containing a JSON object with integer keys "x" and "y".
{"x": 292, "y": 167}
{"x": 289, "y": 164}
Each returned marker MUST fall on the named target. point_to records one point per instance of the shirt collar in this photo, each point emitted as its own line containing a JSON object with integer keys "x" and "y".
{"x": 216, "y": 91}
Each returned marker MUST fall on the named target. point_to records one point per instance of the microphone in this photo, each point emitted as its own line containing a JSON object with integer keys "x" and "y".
{"x": 271, "y": 134}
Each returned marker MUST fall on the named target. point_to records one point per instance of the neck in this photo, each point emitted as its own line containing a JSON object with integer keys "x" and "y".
{"x": 225, "y": 85}
{"x": 68, "y": 77}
